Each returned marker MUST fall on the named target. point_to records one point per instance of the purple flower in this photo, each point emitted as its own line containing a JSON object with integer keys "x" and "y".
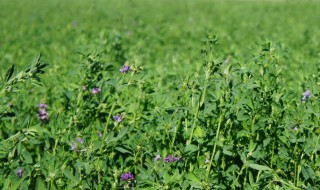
{"x": 168, "y": 159}
{"x": 125, "y": 68}
{"x": 306, "y": 95}
{"x": 177, "y": 158}
{"x": 118, "y": 118}
{"x": 84, "y": 87}
{"x": 19, "y": 173}
{"x": 95, "y": 91}
{"x": 158, "y": 157}
{"x": 127, "y": 176}
{"x": 43, "y": 112}
{"x": 43, "y": 115}
{"x": 42, "y": 106}
{"x": 73, "y": 146}
{"x": 80, "y": 140}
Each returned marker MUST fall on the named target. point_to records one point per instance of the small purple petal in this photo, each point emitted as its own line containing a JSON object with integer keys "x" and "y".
{"x": 95, "y": 91}
{"x": 19, "y": 173}
{"x": 125, "y": 69}
{"x": 158, "y": 157}
{"x": 177, "y": 159}
{"x": 127, "y": 176}
{"x": 168, "y": 159}
{"x": 43, "y": 112}
{"x": 42, "y": 106}
{"x": 84, "y": 88}
{"x": 306, "y": 95}
{"x": 80, "y": 140}
{"x": 73, "y": 146}
{"x": 43, "y": 115}
{"x": 117, "y": 118}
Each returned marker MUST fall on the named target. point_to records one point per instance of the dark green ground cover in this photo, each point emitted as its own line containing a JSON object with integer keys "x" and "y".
{"x": 217, "y": 84}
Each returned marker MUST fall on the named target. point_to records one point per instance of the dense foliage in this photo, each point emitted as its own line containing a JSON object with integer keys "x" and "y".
{"x": 159, "y": 94}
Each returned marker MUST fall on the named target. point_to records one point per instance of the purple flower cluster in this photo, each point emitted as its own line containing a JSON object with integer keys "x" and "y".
{"x": 306, "y": 95}
{"x": 19, "y": 173}
{"x": 127, "y": 176}
{"x": 118, "y": 118}
{"x": 95, "y": 91}
{"x": 43, "y": 115}
{"x": 157, "y": 158}
{"x": 171, "y": 159}
{"x": 80, "y": 140}
{"x": 42, "y": 106}
{"x": 168, "y": 159}
{"x": 73, "y": 146}
{"x": 125, "y": 68}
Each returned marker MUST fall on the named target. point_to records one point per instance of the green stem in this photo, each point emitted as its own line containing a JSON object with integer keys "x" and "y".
{"x": 193, "y": 124}
{"x": 195, "y": 118}
{"x": 215, "y": 145}
{"x": 108, "y": 120}
{"x": 298, "y": 174}
{"x": 240, "y": 173}
{"x": 55, "y": 146}
{"x": 13, "y": 136}
{"x": 175, "y": 134}
{"x": 272, "y": 153}
{"x": 204, "y": 93}
{"x": 245, "y": 177}
{"x": 106, "y": 126}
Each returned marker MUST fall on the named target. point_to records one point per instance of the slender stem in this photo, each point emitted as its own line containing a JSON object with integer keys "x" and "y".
{"x": 204, "y": 92}
{"x": 272, "y": 153}
{"x": 298, "y": 174}
{"x": 13, "y": 136}
{"x": 194, "y": 123}
{"x": 215, "y": 145}
{"x": 175, "y": 133}
{"x": 106, "y": 125}
{"x": 108, "y": 120}
{"x": 240, "y": 173}
{"x": 55, "y": 146}
{"x": 245, "y": 177}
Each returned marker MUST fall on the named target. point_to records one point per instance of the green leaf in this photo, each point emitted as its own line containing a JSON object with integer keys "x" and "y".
{"x": 195, "y": 182}
{"x": 27, "y": 157}
{"x": 9, "y": 73}
{"x": 198, "y": 132}
{"x": 259, "y": 167}
{"x": 68, "y": 174}
{"x": 307, "y": 172}
{"x": 227, "y": 152}
{"x": 243, "y": 133}
{"x": 122, "y": 133}
{"x": 192, "y": 177}
{"x": 40, "y": 184}
{"x": 122, "y": 150}
{"x": 266, "y": 142}
{"x": 190, "y": 149}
